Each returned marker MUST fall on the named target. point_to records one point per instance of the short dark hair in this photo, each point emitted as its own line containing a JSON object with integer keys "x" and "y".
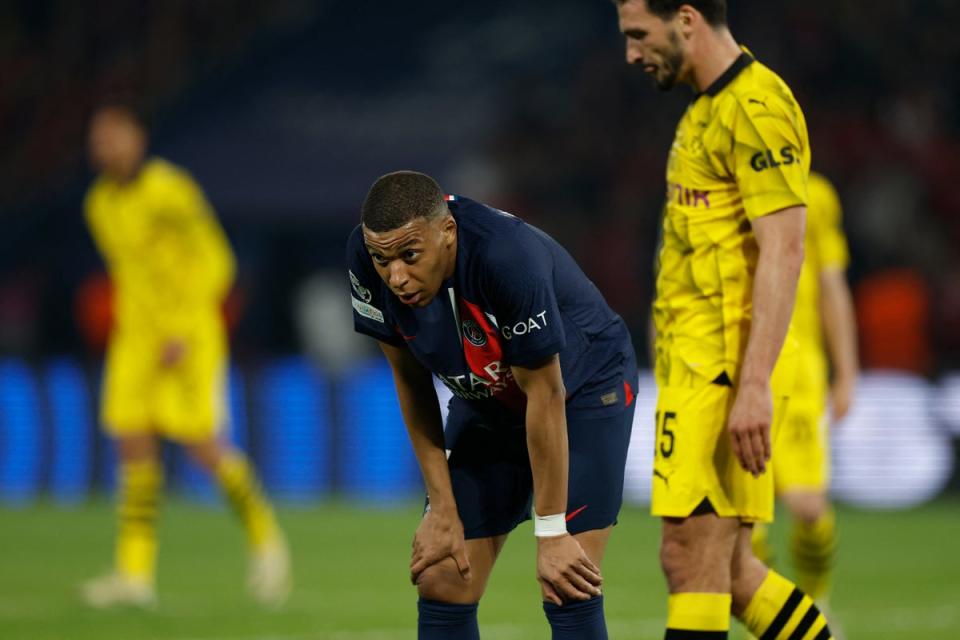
{"x": 126, "y": 105}
{"x": 713, "y": 11}
{"x": 399, "y": 197}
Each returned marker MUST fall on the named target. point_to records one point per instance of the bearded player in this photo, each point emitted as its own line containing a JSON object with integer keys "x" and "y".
{"x": 733, "y": 246}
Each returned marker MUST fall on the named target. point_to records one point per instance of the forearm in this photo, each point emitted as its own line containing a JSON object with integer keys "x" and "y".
{"x": 774, "y": 294}
{"x": 421, "y": 414}
{"x": 839, "y": 325}
{"x": 548, "y": 449}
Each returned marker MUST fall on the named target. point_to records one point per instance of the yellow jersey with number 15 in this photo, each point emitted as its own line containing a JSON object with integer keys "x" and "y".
{"x": 741, "y": 152}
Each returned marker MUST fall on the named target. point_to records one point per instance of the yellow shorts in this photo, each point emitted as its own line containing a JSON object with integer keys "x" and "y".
{"x": 185, "y": 403}
{"x": 694, "y": 461}
{"x": 801, "y": 460}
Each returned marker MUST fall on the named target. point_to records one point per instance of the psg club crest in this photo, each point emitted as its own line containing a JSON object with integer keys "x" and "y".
{"x": 362, "y": 292}
{"x": 474, "y": 334}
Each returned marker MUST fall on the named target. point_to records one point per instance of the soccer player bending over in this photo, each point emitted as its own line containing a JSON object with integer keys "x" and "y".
{"x": 542, "y": 374}
{"x": 171, "y": 267}
{"x": 733, "y": 246}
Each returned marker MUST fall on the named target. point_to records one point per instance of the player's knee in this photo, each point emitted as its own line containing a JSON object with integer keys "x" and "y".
{"x": 677, "y": 562}
{"x": 813, "y": 511}
{"x": 808, "y": 508}
{"x": 442, "y": 582}
{"x": 206, "y": 453}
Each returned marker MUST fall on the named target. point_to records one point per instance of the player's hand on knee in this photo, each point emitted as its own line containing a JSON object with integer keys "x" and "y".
{"x": 565, "y": 571}
{"x": 749, "y": 427}
{"x": 439, "y": 536}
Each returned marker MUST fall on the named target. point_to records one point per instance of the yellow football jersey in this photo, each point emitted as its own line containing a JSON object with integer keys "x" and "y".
{"x": 741, "y": 151}
{"x": 168, "y": 258}
{"x": 826, "y": 249}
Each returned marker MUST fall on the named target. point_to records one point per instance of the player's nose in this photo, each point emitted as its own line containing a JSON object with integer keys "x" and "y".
{"x": 634, "y": 54}
{"x": 398, "y": 274}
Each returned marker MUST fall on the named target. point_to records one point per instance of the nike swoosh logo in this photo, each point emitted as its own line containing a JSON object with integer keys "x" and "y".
{"x": 574, "y": 514}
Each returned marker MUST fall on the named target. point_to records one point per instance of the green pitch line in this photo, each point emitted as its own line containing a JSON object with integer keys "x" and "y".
{"x": 898, "y": 577}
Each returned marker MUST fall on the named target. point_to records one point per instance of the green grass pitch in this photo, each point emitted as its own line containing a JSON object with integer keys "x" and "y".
{"x": 898, "y": 577}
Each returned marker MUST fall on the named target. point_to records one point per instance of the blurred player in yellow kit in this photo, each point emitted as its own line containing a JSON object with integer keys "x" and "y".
{"x": 826, "y": 330}
{"x": 171, "y": 267}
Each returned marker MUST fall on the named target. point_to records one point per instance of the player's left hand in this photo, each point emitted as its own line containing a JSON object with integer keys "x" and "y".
{"x": 439, "y": 536}
{"x": 749, "y": 427}
{"x": 565, "y": 571}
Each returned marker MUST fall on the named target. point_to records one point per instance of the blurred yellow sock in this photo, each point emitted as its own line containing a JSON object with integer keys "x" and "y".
{"x": 138, "y": 501}
{"x": 760, "y": 540}
{"x": 812, "y": 548}
{"x": 239, "y": 484}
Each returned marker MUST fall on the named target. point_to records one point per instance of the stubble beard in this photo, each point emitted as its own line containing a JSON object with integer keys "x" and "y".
{"x": 672, "y": 63}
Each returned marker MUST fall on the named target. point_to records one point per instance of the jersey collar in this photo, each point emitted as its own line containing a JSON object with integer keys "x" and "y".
{"x": 741, "y": 63}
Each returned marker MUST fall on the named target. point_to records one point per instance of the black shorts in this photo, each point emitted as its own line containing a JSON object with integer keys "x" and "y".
{"x": 493, "y": 484}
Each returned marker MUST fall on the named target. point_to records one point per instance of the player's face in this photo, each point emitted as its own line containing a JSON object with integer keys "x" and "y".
{"x": 117, "y": 142}
{"x": 653, "y": 43}
{"x": 416, "y": 258}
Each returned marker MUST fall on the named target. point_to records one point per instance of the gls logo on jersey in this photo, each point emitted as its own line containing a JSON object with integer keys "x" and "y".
{"x": 763, "y": 160}
{"x": 525, "y": 326}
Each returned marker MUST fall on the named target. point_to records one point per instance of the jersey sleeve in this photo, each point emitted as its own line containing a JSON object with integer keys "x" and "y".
{"x": 519, "y": 285}
{"x": 190, "y": 255}
{"x": 824, "y": 206}
{"x": 204, "y": 232}
{"x": 370, "y": 315}
{"x": 771, "y": 154}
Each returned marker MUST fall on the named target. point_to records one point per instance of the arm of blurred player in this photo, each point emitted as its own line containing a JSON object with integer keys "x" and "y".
{"x": 440, "y": 534}
{"x": 780, "y": 237}
{"x": 840, "y": 330}
{"x": 563, "y": 568}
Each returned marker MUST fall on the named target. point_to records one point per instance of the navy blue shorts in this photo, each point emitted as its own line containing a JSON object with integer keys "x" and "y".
{"x": 493, "y": 484}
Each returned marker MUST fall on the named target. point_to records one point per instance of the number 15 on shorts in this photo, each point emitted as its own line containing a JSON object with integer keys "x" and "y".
{"x": 666, "y": 434}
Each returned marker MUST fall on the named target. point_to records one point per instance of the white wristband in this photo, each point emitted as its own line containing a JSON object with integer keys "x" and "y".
{"x": 549, "y": 526}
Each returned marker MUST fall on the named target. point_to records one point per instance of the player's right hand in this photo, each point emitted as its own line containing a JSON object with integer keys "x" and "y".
{"x": 749, "y": 426}
{"x": 565, "y": 572}
{"x": 173, "y": 353}
{"x": 439, "y": 536}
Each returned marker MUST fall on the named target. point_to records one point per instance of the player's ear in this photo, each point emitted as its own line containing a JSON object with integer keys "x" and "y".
{"x": 448, "y": 227}
{"x": 686, "y": 18}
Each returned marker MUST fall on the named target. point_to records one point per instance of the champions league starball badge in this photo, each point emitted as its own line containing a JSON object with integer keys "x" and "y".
{"x": 474, "y": 334}
{"x": 362, "y": 292}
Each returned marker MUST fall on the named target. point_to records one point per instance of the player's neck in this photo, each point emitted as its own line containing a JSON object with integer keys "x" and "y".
{"x": 716, "y": 51}
{"x": 126, "y": 173}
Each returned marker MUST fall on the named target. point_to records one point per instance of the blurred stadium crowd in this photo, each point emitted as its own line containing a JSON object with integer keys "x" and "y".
{"x": 286, "y": 110}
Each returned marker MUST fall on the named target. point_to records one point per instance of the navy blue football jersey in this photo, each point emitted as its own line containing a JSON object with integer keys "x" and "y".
{"x": 516, "y": 298}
